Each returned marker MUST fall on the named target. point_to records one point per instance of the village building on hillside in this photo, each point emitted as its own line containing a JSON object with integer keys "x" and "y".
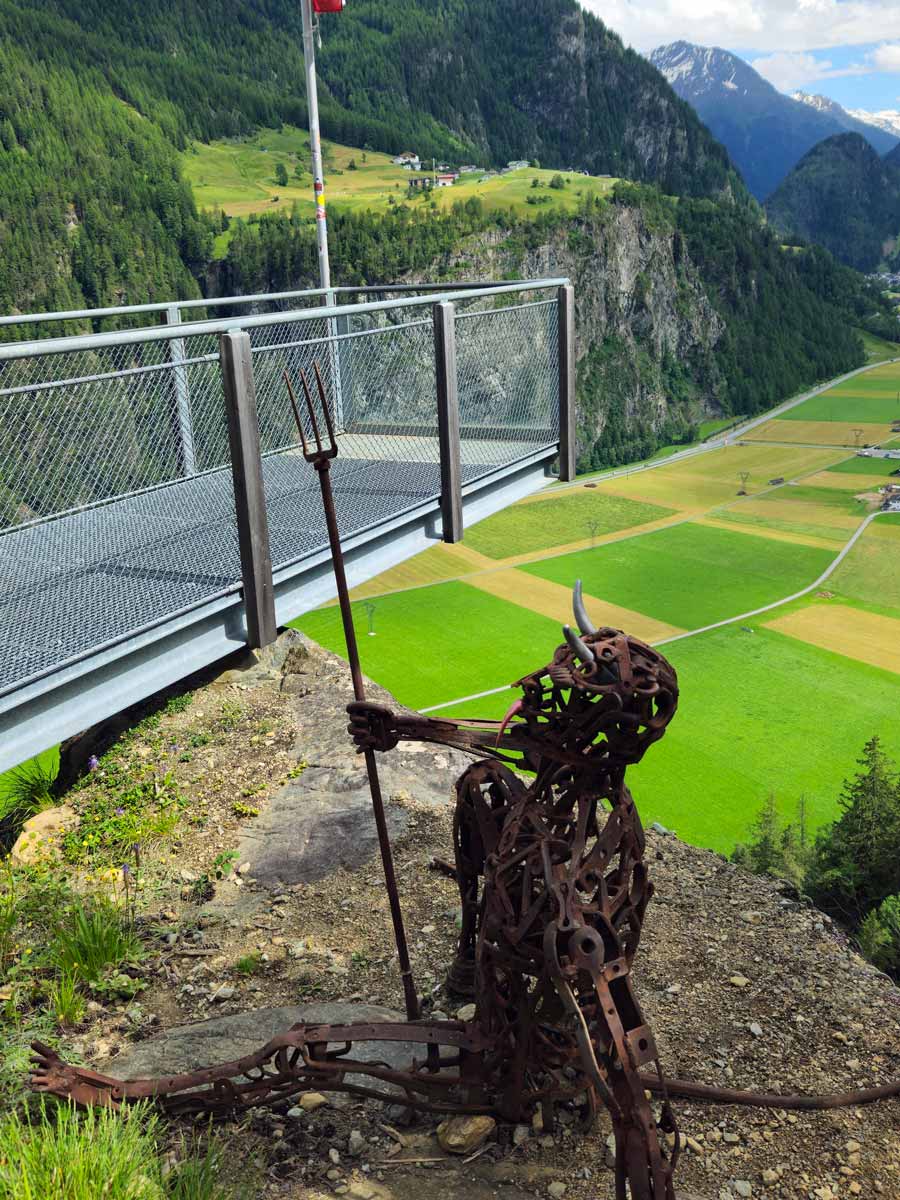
{"x": 518, "y": 165}
{"x": 410, "y": 161}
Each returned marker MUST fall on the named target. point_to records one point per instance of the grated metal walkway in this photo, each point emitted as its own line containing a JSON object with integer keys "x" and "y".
{"x": 87, "y": 579}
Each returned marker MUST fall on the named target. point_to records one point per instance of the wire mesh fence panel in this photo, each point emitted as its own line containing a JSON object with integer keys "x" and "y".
{"x": 508, "y": 383}
{"x": 117, "y": 504}
{"x": 110, "y": 515}
{"x": 379, "y": 376}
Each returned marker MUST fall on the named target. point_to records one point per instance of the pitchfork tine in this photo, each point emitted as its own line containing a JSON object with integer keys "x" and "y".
{"x": 296, "y": 414}
{"x": 312, "y": 410}
{"x": 332, "y": 440}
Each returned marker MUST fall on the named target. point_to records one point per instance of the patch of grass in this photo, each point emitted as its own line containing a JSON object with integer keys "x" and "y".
{"x": 65, "y": 1001}
{"x": 94, "y": 938}
{"x": 871, "y": 571}
{"x": 867, "y": 399}
{"x": 59, "y": 1153}
{"x": 433, "y": 644}
{"x": 877, "y": 349}
{"x": 542, "y": 524}
{"x": 866, "y": 466}
{"x": 120, "y": 808}
{"x": 708, "y": 428}
{"x": 805, "y": 528}
{"x": 836, "y": 498}
{"x": 25, "y": 791}
{"x": 689, "y": 575}
{"x": 249, "y": 964}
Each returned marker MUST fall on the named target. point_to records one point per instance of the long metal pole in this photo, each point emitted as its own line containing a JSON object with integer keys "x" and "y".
{"x": 384, "y": 841}
{"x": 315, "y": 142}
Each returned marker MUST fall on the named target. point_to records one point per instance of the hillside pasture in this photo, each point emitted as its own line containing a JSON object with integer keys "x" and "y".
{"x": 238, "y": 176}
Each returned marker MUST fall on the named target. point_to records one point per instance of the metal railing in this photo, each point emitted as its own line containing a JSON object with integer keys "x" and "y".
{"x": 145, "y": 473}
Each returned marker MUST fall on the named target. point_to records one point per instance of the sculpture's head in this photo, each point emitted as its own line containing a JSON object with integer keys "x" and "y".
{"x": 605, "y": 694}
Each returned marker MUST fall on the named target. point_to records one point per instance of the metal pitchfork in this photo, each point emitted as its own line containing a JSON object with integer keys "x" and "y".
{"x": 321, "y": 457}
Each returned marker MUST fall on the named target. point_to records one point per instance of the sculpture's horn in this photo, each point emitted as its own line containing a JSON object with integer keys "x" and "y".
{"x": 582, "y": 620}
{"x": 584, "y": 652}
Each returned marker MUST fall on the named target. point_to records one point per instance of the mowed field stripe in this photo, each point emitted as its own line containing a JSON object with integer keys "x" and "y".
{"x": 555, "y": 601}
{"x": 867, "y": 637}
{"x": 775, "y": 535}
{"x": 818, "y": 433}
{"x": 845, "y": 481}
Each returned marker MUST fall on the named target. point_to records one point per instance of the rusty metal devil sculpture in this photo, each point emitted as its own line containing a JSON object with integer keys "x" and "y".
{"x": 553, "y": 885}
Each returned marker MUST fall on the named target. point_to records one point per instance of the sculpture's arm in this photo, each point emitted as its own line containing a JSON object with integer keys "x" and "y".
{"x": 377, "y": 727}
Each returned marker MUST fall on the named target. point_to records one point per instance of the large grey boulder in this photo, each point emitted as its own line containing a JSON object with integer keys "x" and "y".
{"x": 220, "y": 1040}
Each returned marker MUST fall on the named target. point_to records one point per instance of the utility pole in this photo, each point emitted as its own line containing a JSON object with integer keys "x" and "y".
{"x": 315, "y": 142}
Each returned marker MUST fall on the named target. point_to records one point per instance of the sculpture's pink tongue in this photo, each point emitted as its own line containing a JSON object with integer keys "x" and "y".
{"x": 514, "y": 711}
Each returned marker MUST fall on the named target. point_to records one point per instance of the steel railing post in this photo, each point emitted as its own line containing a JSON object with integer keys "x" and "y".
{"x": 448, "y": 420}
{"x": 182, "y": 395}
{"x": 335, "y": 355}
{"x": 249, "y": 491}
{"x": 567, "y": 436}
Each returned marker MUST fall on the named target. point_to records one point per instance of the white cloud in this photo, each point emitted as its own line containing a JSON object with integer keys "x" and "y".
{"x": 762, "y": 25}
{"x": 887, "y": 57}
{"x": 788, "y": 71}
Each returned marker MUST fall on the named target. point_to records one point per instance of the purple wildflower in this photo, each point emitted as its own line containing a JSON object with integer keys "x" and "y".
{"x": 126, "y": 870}
{"x": 93, "y": 762}
{"x": 120, "y": 812}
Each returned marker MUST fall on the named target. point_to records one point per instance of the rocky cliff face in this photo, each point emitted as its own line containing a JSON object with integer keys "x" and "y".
{"x": 646, "y": 330}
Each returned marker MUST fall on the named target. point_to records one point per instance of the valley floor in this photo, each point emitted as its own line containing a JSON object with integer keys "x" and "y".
{"x": 709, "y": 537}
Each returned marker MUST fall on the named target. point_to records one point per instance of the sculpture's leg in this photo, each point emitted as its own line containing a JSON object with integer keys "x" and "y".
{"x": 484, "y": 793}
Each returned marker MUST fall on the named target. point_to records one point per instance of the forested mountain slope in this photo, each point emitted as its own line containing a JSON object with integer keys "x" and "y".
{"x": 97, "y": 93}
{"x": 92, "y": 207}
{"x": 684, "y": 307}
{"x": 846, "y": 198}
{"x": 509, "y": 79}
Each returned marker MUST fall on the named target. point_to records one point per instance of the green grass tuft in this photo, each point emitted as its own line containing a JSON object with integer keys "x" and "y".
{"x": 59, "y": 1153}
{"x": 93, "y": 938}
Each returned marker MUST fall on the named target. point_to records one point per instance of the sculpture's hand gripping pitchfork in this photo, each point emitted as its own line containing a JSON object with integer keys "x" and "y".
{"x": 321, "y": 456}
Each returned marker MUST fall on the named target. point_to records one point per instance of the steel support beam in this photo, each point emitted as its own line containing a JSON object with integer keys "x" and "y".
{"x": 182, "y": 395}
{"x": 249, "y": 492}
{"x": 567, "y": 440}
{"x": 448, "y": 420}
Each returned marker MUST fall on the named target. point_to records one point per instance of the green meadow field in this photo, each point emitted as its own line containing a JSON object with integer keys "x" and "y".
{"x": 238, "y": 176}
{"x": 569, "y": 518}
{"x": 690, "y": 575}
{"x": 760, "y": 711}
{"x": 866, "y": 466}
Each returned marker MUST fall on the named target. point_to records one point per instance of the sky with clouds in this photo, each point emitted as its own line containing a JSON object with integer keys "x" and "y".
{"x": 846, "y": 49}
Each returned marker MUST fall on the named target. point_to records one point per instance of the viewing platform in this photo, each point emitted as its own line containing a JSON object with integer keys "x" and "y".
{"x": 156, "y": 513}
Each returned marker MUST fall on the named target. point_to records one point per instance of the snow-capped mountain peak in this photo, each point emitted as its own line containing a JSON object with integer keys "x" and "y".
{"x": 699, "y": 69}
{"x": 888, "y": 119}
